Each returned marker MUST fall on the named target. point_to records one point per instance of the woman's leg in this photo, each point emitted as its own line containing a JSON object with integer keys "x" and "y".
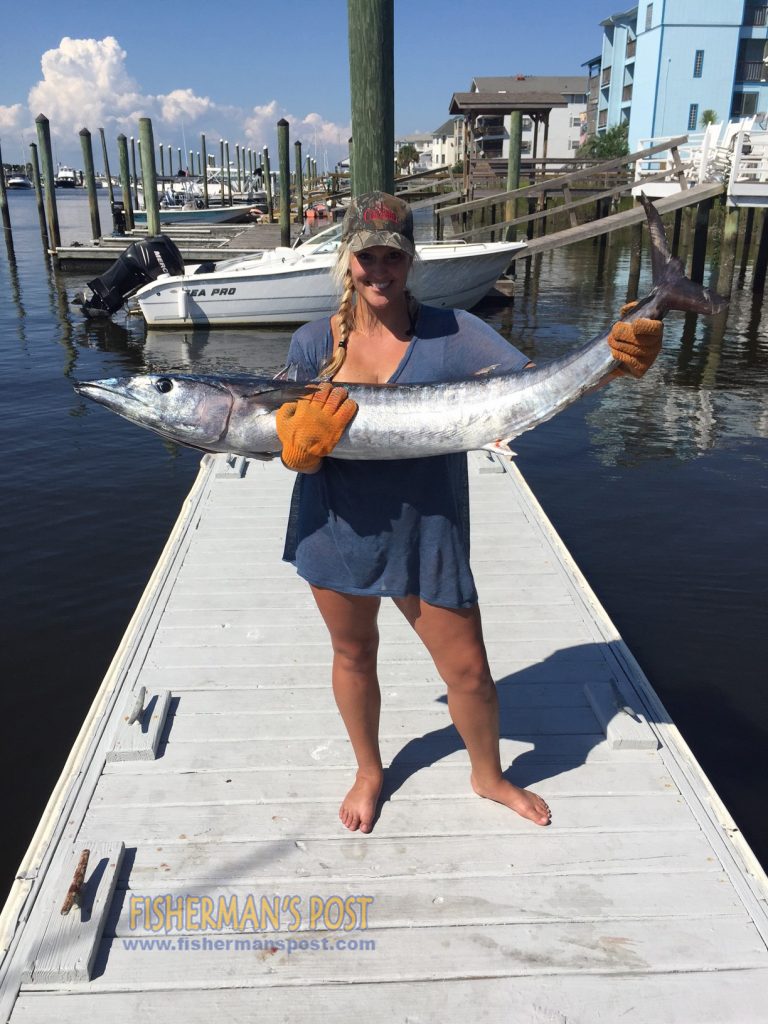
{"x": 351, "y": 621}
{"x": 454, "y": 639}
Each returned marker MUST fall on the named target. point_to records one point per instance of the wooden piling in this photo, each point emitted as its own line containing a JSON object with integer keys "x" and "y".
{"x": 204, "y": 158}
{"x": 513, "y": 167}
{"x": 700, "y": 241}
{"x": 162, "y": 162}
{"x": 170, "y": 161}
{"x": 90, "y": 182}
{"x": 299, "y": 183}
{"x": 6, "y": 213}
{"x": 237, "y": 158}
{"x": 221, "y": 173}
{"x": 371, "y": 79}
{"x": 181, "y": 161}
{"x": 761, "y": 259}
{"x": 134, "y": 178}
{"x": 106, "y": 167}
{"x": 149, "y": 176}
{"x": 229, "y": 173}
{"x": 284, "y": 172}
{"x": 268, "y": 185}
{"x": 676, "y": 232}
{"x": 125, "y": 181}
{"x": 191, "y": 163}
{"x": 728, "y": 250}
{"x": 38, "y": 194}
{"x": 746, "y": 244}
{"x": 635, "y": 261}
{"x": 44, "y": 142}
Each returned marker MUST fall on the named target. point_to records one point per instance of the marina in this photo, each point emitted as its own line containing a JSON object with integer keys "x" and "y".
{"x": 173, "y": 751}
{"x": 548, "y": 457}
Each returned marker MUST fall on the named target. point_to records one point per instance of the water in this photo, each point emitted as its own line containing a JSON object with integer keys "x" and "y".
{"x": 658, "y": 488}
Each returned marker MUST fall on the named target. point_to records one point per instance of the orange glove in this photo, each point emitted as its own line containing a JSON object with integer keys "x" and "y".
{"x": 636, "y": 345}
{"x": 311, "y": 428}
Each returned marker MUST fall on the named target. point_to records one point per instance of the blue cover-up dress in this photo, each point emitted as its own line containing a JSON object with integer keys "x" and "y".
{"x": 389, "y": 528}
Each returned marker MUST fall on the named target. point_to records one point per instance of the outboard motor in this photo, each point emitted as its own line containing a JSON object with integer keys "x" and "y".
{"x": 140, "y": 263}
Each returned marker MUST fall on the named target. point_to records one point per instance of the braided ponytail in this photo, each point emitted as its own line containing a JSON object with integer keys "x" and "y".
{"x": 345, "y": 314}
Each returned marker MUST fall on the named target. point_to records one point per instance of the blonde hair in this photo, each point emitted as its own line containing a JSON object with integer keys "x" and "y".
{"x": 346, "y": 313}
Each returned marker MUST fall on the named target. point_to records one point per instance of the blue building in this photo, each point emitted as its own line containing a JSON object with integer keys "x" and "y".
{"x": 665, "y": 62}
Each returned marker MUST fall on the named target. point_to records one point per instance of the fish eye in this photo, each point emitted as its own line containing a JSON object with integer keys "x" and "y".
{"x": 164, "y": 385}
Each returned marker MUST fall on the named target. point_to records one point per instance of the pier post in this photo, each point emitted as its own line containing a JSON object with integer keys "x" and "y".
{"x": 162, "y": 163}
{"x": 106, "y": 167}
{"x": 700, "y": 241}
{"x": 268, "y": 185}
{"x": 38, "y": 194}
{"x": 299, "y": 183}
{"x": 371, "y": 79}
{"x": 125, "y": 181}
{"x": 513, "y": 167}
{"x": 181, "y": 161}
{"x": 237, "y": 157}
{"x": 635, "y": 261}
{"x": 135, "y": 177}
{"x": 44, "y": 141}
{"x": 90, "y": 182}
{"x": 170, "y": 161}
{"x": 676, "y": 231}
{"x": 6, "y": 213}
{"x": 284, "y": 170}
{"x": 761, "y": 259}
{"x": 745, "y": 245}
{"x": 149, "y": 176}
{"x": 204, "y": 158}
{"x": 728, "y": 250}
{"x": 351, "y": 162}
{"x": 229, "y": 173}
{"x": 221, "y": 172}
{"x": 191, "y": 163}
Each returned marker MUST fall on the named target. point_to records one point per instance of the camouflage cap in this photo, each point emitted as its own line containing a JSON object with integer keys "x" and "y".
{"x": 378, "y": 218}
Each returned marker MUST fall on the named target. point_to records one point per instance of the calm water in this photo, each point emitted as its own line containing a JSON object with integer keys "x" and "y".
{"x": 659, "y": 489}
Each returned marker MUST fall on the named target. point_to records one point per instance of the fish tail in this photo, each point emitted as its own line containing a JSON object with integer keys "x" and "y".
{"x": 672, "y": 289}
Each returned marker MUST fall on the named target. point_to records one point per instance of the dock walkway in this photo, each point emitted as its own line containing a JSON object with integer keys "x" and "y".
{"x": 641, "y": 903}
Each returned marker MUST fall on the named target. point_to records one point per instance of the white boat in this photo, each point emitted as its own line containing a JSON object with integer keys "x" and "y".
{"x": 66, "y": 178}
{"x": 294, "y": 286}
{"x": 18, "y": 181}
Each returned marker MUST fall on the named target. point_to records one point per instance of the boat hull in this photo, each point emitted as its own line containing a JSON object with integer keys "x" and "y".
{"x": 213, "y": 215}
{"x": 285, "y": 287}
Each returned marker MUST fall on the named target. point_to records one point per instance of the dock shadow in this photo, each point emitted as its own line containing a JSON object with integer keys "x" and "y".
{"x": 573, "y": 666}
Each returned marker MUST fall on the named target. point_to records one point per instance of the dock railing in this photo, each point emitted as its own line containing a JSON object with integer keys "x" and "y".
{"x": 491, "y": 217}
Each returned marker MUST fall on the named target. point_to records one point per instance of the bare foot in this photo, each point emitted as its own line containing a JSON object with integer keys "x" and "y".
{"x": 358, "y": 808}
{"x": 525, "y": 803}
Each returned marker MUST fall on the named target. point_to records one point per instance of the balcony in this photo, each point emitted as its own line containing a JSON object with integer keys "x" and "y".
{"x": 626, "y": 94}
{"x": 602, "y": 119}
{"x": 606, "y": 79}
{"x": 756, "y": 14}
{"x": 631, "y": 47}
{"x": 752, "y": 71}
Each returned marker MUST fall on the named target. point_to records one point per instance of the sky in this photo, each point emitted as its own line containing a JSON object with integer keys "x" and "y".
{"x": 233, "y": 69}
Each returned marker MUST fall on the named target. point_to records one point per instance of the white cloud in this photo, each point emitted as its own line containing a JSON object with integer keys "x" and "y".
{"x": 327, "y": 132}
{"x": 85, "y": 83}
{"x": 183, "y": 105}
{"x": 11, "y": 118}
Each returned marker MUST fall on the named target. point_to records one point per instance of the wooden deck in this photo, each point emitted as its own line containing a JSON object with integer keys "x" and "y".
{"x": 640, "y": 903}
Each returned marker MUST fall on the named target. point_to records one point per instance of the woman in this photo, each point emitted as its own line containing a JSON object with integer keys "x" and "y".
{"x": 363, "y": 530}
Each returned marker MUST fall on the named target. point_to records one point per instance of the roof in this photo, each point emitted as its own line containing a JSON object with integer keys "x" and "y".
{"x": 531, "y": 84}
{"x": 446, "y": 128}
{"x": 621, "y": 18}
{"x": 504, "y": 102}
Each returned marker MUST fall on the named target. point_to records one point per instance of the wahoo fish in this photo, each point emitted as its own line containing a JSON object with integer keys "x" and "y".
{"x": 236, "y": 415}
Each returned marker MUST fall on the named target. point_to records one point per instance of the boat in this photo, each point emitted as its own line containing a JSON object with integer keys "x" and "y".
{"x": 66, "y": 178}
{"x": 18, "y": 181}
{"x": 192, "y": 214}
{"x": 293, "y": 286}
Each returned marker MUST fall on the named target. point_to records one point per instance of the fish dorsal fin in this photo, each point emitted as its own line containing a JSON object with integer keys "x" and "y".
{"x": 660, "y": 254}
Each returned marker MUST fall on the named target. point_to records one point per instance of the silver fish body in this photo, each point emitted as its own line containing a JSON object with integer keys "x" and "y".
{"x": 237, "y": 415}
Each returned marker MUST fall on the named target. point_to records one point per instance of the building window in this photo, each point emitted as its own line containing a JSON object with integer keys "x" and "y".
{"x": 693, "y": 116}
{"x": 576, "y": 122}
{"x": 744, "y": 104}
{"x": 648, "y": 16}
{"x": 698, "y": 64}
{"x": 574, "y": 144}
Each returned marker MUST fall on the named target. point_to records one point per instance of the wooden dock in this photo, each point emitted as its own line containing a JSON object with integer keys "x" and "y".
{"x": 641, "y": 902}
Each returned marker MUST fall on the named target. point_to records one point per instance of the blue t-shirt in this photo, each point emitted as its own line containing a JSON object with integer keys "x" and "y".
{"x": 388, "y": 528}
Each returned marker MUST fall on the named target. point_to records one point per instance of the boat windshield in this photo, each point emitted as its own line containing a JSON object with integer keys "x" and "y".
{"x": 325, "y": 241}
